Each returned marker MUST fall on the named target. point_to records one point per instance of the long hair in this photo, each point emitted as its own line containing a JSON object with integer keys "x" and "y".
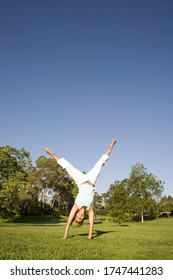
{"x": 77, "y": 224}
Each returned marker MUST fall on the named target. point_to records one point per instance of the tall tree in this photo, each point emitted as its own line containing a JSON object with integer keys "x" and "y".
{"x": 50, "y": 178}
{"x": 145, "y": 189}
{"x": 14, "y": 167}
{"x": 117, "y": 201}
{"x": 99, "y": 207}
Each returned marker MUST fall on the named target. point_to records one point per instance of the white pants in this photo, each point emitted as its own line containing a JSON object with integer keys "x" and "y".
{"x": 80, "y": 177}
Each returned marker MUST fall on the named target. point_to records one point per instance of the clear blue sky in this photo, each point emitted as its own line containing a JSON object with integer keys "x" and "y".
{"x": 74, "y": 74}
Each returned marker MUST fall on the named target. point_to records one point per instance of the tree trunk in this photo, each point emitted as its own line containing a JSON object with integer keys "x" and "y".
{"x": 142, "y": 217}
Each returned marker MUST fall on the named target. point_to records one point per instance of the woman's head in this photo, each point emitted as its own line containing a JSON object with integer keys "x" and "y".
{"x": 79, "y": 218}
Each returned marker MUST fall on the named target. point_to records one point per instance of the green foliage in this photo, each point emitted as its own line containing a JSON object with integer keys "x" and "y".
{"x": 99, "y": 207}
{"x": 48, "y": 177}
{"x": 47, "y": 189}
{"x": 135, "y": 197}
{"x": 166, "y": 206}
{"x": 24, "y": 188}
{"x": 14, "y": 167}
{"x": 117, "y": 202}
{"x": 12, "y": 161}
{"x": 145, "y": 190}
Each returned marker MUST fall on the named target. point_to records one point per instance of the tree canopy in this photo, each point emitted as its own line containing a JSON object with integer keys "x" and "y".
{"x": 45, "y": 188}
{"x": 136, "y": 196}
{"x": 14, "y": 168}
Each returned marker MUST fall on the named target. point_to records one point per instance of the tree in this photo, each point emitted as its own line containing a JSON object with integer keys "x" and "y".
{"x": 14, "y": 167}
{"x": 53, "y": 185}
{"x": 166, "y": 206}
{"x": 117, "y": 201}
{"x": 99, "y": 207}
{"x": 145, "y": 189}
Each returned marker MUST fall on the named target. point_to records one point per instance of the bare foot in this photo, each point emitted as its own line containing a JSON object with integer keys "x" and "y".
{"x": 111, "y": 146}
{"x": 49, "y": 151}
{"x": 113, "y": 143}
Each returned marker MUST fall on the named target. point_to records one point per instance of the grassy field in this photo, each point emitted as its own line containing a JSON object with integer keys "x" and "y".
{"x": 152, "y": 240}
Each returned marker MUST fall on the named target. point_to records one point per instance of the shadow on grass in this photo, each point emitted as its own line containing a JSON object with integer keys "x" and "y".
{"x": 96, "y": 233}
{"x": 99, "y": 220}
{"x": 34, "y": 220}
{"x": 15, "y": 225}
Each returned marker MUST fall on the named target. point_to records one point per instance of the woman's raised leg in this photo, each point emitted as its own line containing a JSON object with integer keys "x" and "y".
{"x": 51, "y": 154}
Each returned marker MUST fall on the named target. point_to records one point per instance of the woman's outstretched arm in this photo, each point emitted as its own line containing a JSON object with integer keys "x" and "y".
{"x": 91, "y": 221}
{"x": 70, "y": 219}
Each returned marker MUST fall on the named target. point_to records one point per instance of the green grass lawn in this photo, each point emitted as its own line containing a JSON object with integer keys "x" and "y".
{"x": 152, "y": 240}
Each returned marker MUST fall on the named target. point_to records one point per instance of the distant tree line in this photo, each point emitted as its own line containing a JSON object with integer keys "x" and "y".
{"x": 46, "y": 189}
